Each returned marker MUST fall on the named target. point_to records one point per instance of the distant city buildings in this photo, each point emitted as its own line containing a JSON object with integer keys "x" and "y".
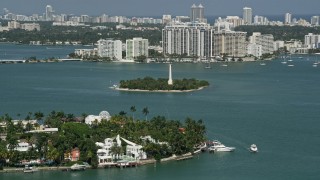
{"x": 17, "y": 25}
{"x": 260, "y": 20}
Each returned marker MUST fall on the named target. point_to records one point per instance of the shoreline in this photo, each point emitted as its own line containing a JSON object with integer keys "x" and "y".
{"x": 157, "y": 91}
{"x": 141, "y": 163}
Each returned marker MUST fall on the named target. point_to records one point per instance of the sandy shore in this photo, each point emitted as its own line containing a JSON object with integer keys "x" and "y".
{"x": 160, "y": 91}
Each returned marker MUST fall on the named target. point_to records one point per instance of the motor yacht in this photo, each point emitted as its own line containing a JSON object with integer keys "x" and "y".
{"x": 253, "y": 148}
{"x": 217, "y": 146}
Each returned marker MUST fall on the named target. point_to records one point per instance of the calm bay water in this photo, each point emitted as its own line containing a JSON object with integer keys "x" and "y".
{"x": 273, "y": 106}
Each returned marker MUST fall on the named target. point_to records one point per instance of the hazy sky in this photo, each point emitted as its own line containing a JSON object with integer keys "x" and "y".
{"x": 160, "y": 7}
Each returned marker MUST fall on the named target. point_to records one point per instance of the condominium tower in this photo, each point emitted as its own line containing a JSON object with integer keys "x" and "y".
{"x": 230, "y": 43}
{"x": 189, "y": 39}
{"x": 288, "y": 19}
{"x": 247, "y": 16}
{"x": 110, "y": 48}
{"x": 136, "y": 47}
{"x": 197, "y": 13}
{"x": 49, "y": 13}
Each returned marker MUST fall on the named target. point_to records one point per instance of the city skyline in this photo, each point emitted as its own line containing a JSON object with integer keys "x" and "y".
{"x": 160, "y": 7}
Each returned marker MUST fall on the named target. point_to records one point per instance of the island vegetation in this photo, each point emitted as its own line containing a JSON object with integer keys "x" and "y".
{"x": 161, "y": 84}
{"x": 72, "y": 132}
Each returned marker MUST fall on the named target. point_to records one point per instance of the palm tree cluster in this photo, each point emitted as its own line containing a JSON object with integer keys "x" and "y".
{"x": 148, "y": 83}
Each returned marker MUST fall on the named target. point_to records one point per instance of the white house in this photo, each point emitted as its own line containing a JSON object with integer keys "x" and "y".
{"x": 106, "y": 157}
{"x": 22, "y": 147}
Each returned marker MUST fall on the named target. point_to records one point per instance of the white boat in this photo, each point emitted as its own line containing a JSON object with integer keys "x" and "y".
{"x": 262, "y": 64}
{"x": 253, "y": 148}
{"x": 290, "y": 65}
{"x": 284, "y": 62}
{"x": 224, "y": 65}
{"x": 290, "y": 60}
{"x": 29, "y": 169}
{"x": 78, "y": 167}
{"x": 217, "y": 146}
{"x": 315, "y": 65}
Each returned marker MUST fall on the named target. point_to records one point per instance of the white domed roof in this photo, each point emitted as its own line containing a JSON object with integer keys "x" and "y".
{"x": 105, "y": 115}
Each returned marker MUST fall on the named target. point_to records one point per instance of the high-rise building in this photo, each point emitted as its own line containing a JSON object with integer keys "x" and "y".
{"x": 197, "y": 13}
{"x": 166, "y": 19}
{"x": 190, "y": 39}
{"x": 288, "y": 19}
{"x": 49, "y": 13}
{"x": 230, "y": 43}
{"x": 247, "y": 16}
{"x": 136, "y": 47}
{"x": 110, "y": 48}
{"x": 315, "y": 20}
{"x": 5, "y": 11}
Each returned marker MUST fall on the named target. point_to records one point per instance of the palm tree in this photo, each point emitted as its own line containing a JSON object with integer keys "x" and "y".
{"x": 145, "y": 111}
{"x": 133, "y": 109}
{"x": 38, "y": 115}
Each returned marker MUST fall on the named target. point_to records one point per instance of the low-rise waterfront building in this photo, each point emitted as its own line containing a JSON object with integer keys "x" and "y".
{"x": 312, "y": 41}
{"x": 277, "y": 45}
{"x": 265, "y": 40}
{"x": 84, "y": 53}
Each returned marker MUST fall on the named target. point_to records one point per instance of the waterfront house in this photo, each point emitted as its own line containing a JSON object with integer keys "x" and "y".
{"x": 106, "y": 157}
{"x": 74, "y": 155}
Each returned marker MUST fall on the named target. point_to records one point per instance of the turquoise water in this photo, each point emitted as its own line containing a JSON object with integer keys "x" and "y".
{"x": 273, "y": 106}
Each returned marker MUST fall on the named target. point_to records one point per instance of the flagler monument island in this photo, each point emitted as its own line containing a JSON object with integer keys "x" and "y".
{"x": 149, "y": 84}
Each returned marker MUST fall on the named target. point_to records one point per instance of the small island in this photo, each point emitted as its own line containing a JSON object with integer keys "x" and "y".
{"x": 161, "y": 85}
{"x": 149, "y": 84}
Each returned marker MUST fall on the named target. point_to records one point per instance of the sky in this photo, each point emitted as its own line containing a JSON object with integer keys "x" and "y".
{"x": 160, "y": 7}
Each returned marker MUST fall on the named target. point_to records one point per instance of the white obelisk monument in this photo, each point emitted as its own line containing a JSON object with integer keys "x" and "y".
{"x": 170, "y": 76}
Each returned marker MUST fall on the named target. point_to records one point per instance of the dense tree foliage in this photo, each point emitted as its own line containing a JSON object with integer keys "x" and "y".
{"x": 285, "y": 33}
{"x": 83, "y": 34}
{"x": 148, "y": 83}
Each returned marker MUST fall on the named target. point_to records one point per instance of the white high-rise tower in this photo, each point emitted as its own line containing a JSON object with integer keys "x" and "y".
{"x": 288, "y": 19}
{"x": 170, "y": 82}
{"x": 247, "y": 15}
{"x": 49, "y": 13}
